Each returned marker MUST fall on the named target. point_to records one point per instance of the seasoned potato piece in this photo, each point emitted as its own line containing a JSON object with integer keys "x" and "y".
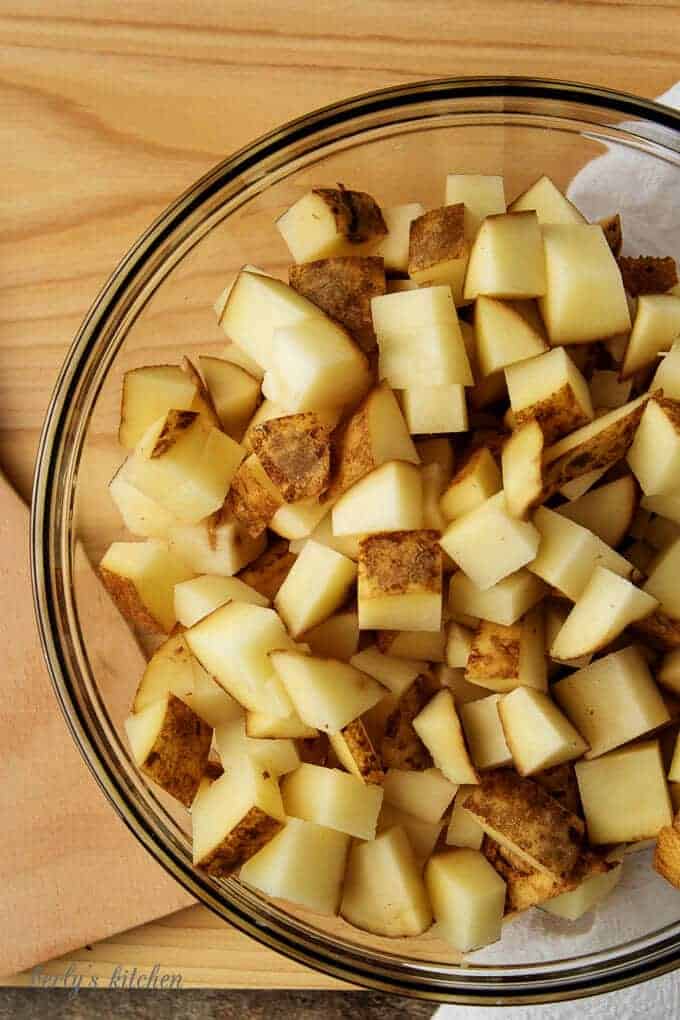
{"x": 253, "y": 498}
{"x": 356, "y": 753}
{"x": 343, "y": 288}
{"x": 645, "y": 274}
{"x": 400, "y": 581}
{"x": 295, "y": 453}
{"x": 613, "y": 232}
{"x": 523, "y": 469}
{"x": 329, "y": 222}
{"x": 439, "y": 249}
{"x": 504, "y": 657}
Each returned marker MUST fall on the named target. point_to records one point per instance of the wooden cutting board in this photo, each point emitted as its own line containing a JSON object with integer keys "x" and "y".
{"x": 109, "y": 110}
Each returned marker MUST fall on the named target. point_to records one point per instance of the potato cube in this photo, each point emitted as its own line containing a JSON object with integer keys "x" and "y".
{"x": 253, "y": 498}
{"x": 503, "y": 603}
{"x": 425, "y": 795}
{"x": 288, "y": 866}
{"x": 150, "y": 393}
{"x": 356, "y": 753}
{"x": 667, "y": 854}
{"x": 235, "y": 747}
{"x": 549, "y": 203}
{"x": 624, "y": 794}
{"x": 390, "y": 724}
{"x": 666, "y": 506}
{"x": 400, "y": 581}
{"x": 294, "y": 451}
{"x": 468, "y": 897}
{"x": 318, "y": 583}
{"x": 662, "y": 584}
{"x": 332, "y": 798}
{"x": 463, "y": 830}
{"x": 656, "y": 327}
{"x": 507, "y": 259}
{"x": 484, "y": 733}
{"x": 170, "y": 670}
{"x": 141, "y": 578}
{"x": 607, "y": 605}
{"x": 538, "y": 734}
{"x": 413, "y": 644}
{"x": 522, "y": 461}
{"x": 199, "y": 596}
{"x": 384, "y": 892}
{"x": 264, "y": 726}
{"x": 503, "y": 336}
{"x": 585, "y": 897}
{"x": 233, "y": 392}
{"x": 488, "y": 544}
{"x": 143, "y": 517}
{"x": 439, "y": 249}
{"x": 343, "y": 287}
{"x": 612, "y": 701}
{"x": 503, "y": 658}
{"x": 432, "y": 409}
{"x": 390, "y": 498}
{"x": 236, "y": 816}
{"x": 393, "y": 247}
{"x": 556, "y": 612}
{"x": 327, "y": 694}
{"x": 667, "y": 375}
{"x": 646, "y": 274}
{"x": 550, "y": 390}
{"x": 234, "y": 354}
{"x": 438, "y": 726}
{"x": 606, "y": 511}
{"x": 458, "y": 645}
{"x": 476, "y": 481}
{"x": 462, "y": 690}
{"x": 584, "y": 297}
{"x": 423, "y": 836}
{"x": 482, "y": 195}
{"x": 576, "y": 487}
{"x": 331, "y": 221}
{"x": 297, "y": 521}
{"x": 395, "y": 674}
{"x": 335, "y": 638}
{"x": 608, "y": 391}
{"x": 267, "y": 573}
{"x": 437, "y": 451}
{"x": 218, "y": 544}
{"x": 654, "y": 456}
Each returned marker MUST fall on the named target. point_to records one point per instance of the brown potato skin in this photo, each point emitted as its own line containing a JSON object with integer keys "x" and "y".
{"x": 401, "y": 746}
{"x": 314, "y": 750}
{"x": 123, "y": 592}
{"x": 351, "y": 450}
{"x": 175, "y": 424}
{"x": 295, "y": 453}
{"x": 495, "y": 652}
{"x": 365, "y": 756}
{"x": 254, "y": 830}
{"x": 357, "y": 215}
{"x": 560, "y": 782}
{"x": 400, "y": 563}
{"x": 343, "y": 288}
{"x": 179, "y": 757}
{"x": 437, "y": 236}
{"x": 613, "y": 232}
{"x": 267, "y": 573}
{"x": 646, "y": 274}
{"x": 667, "y": 854}
{"x": 207, "y": 407}
{"x": 249, "y": 502}
{"x": 558, "y": 414}
{"x": 659, "y": 630}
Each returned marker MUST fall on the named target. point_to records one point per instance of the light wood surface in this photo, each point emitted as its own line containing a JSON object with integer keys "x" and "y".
{"x": 109, "y": 110}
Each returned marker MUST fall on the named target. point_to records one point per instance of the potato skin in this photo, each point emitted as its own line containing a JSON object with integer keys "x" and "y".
{"x": 294, "y": 451}
{"x": 351, "y": 450}
{"x": 495, "y": 652}
{"x": 124, "y": 593}
{"x": 249, "y": 502}
{"x": 179, "y": 757}
{"x": 267, "y": 573}
{"x": 667, "y": 854}
{"x": 175, "y": 425}
{"x": 254, "y": 830}
{"x": 401, "y": 746}
{"x": 437, "y": 236}
{"x": 357, "y": 215}
{"x": 205, "y": 401}
{"x": 400, "y": 563}
{"x": 659, "y": 630}
{"x": 365, "y": 756}
{"x": 557, "y": 415}
{"x": 613, "y": 232}
{"x": 648, "y": 275}
{"x": 343, "y": 288}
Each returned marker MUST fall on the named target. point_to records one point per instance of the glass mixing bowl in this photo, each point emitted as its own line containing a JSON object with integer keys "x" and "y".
{"x": 397, "y": 144}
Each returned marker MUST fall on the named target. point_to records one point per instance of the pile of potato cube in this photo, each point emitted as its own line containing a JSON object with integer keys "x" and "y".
{"x": 413, "y": 542}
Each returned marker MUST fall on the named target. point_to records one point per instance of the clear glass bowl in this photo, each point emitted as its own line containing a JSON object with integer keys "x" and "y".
{"x": 397, "y": 144}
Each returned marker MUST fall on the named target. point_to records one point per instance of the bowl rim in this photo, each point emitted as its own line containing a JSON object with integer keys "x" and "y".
{"x": 660, "y": 956}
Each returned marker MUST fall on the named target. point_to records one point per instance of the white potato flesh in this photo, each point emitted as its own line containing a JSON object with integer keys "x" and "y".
{"x": 503, "y": 603}
{"x": 429, "y": 410}
{"x": 143, "y": 727}
{"x": 304, "y": 863}
{"x": 655, "y": 328}
{"x": 334, "y": 799}
{"x": 576, "y": 487}
{"x": 585, "y": 897}
{"x": 607, "y": 390}
{"x": 150, "y": 571}
{"x": 317, "y": 584}
{"x": 667, "y": 375}
{"x": 674, "y": 769}
{"x": 169, "y": 670}
{"x": 393, "y": 248}
{"x": 488, "y": 544}
{"x": 463, "y": 829}
{"x": 311, "y": 231}
{"x": 335, "y": 638}
{"x": 425, "y": 795}
{"x": 142, "y": 516}
{"x": 482, "y": 195}
{"x": 538, "y": 734}
{"x": 484, "y": 733}
{"x": 221, "y": 548}
{"x": 503, "y": 336}
{"x": 654, "y": 457}
{"x": 384, "y": 892}
{"x": 612, "y": 701}
{"x": 348, "y": 545}
{"x": 409, "y": 311}
{"x": 326, "y": 693}
{"x": 234, "y": 746}
{"x": 662, "y": 581}
{"x": 463, "y": 691}
{"x": 468, "y": 898}
{"x": 556, "y": 612}
{"x": 264, "y": 726}
{"x": 458, "y": 645}
{"x": 624, "y": 794}
{"x": 502, "y": 658}
{"x": 421, "y": 835}
{"x": 606, "y": 511}
{"x": 550, "y": 205}
{"x": 148, "y": 394}
{"x": 411, "y": 611}
{"x": 198, "y": 597}
{"x": 478, "y": 480}
{"x": 549, "y": 379}
{"x": 667, "y": 506}
{"x": 523, "y": 469}
{"x": 438, "y": 726}
{"x": 235, "y": 355}
{"x": 396, "y": 674}
{"x": 297, "y": 521}
{"x": 233, "y": 391}
{"x": 507, "y": 259}
{"x": 390, "y": 498}
{"x": 415, "y": 644}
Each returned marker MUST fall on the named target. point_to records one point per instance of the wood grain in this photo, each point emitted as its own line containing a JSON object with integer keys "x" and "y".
{"x": 109, "y": 110}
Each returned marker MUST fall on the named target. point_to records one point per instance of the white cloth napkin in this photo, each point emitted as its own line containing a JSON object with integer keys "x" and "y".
{"x": 642, "y": 901}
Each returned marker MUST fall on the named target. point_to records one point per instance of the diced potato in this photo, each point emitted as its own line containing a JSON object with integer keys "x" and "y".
{"x": 612, "y": 701}
{"x": 395, "y": 674}
{"x": 556, "y": 612}
{"x": 667, "y": 375}
{"x": 463, "y": 830}
{"x": 432, "y": 409}
{"x": 142, "y": 516}
{"x": 198, "y": 597}
{"x": 267, "y": 573}
{"x": 304, "y": 863}
{"x": 458, "y": 645}
{"x": 185, "y": 465}
{"x": 662, "y": 582}
{"x": 607, "y": 605}
{"x": 347, "y": 545}
{"x": 585, "y": 897}
{"x": 384, "y": 891}
{"x": 233, "y": 645}
{"x": 476, "y": 481}
{"x": 393, "y": 248}
{"x": 234, "y": 354}
{"x": 263, "y": 726}
{"x": 550, "y": 204}
{"x": 608, "y": 390}
{"x": 667, "y": 506}
{"x": 234, "y": 819}
{"x": 318, "y": 583}
{"x": 343, "y": 287}
{"x": 522, "y": 464}
{"x": 568, "y": 554}
{"x": 413, "y": 644}
{"x": 668, "y": 674}
{"x": 253, "y": 498}
{"x": 294, "y": 452}
{"x": 218, "y": 545}
{"x": 425, "y": 795}
{"x": 503, "y": 603}
{"x": 332, "y": 798}
{"x": 170, "y": 670}
{"x": 503, "y": 658}
{"x": 624, "y": 794}
{"x": 437, "y": 451}
{"x": 584, "y": 297}
{"x": 522, "y": 817}
{"x": 503, "y": 336}
{"x": 654, "y": 456}
{"x": 550, "y": 390}
{"x": 656, "y": 327}
{"x": 667, "y": 854}
{"x": 141, "y": 577}
{"x": 400, "y": 581}
{"x": 488, "y": 544}
{"x": 297, "y": 521}
{"x": 390, "y": 498}
{"x": 331, "y": 221}
{"x": 439, "y": 249}
{"x": 482, "y": 195}
{"x": 468, "y": 897}
{"x": 235, "y": 746}
{"x": 646, "y": 274}
{"x": 613, "y": 231}
{"x": 438, "y": 726}
{"x": 463, "y": 691}
{"x": 327, "y": 694}
{"x": 335, "y": 638}
{"x": 315, "y": 366}
{"x": 538, "y": 734}
{"x": 606, "y": 511}
{"x": 390, "y": 725}
{"x": 507, "y": 258}
{"x": 170, "y": 744}
{"x": 233, "y": 391}
{"x": 433, "y": 480}
{"x": 484, "y": 733}
{"x": 356, "y": 753}
{"x": 577, "y": 487}
{"x": 661, "y": 533}
{"x": 149, "y": 393}
{"x": 374, "y": 434}
{"x": 423, "y": 836}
